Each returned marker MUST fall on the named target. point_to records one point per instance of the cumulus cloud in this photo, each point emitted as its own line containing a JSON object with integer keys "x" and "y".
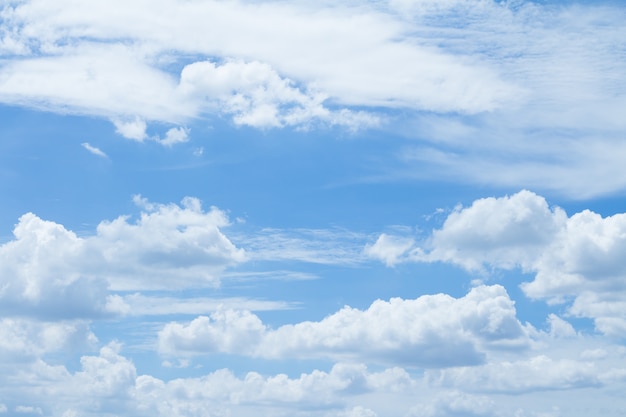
{"x": 131, "y": 129}
{"x": 256, "y": 95}
{"x": 22, "y": 339}
{"x": 576, "y": 257}
{"x": 49, "y": 271}
{"x": 430, "y": 331}
{"x": 175, "y": 135}
{"x": 109, "y": 383}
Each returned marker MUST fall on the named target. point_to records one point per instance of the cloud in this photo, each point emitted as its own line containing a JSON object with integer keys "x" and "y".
{"x": 144, "y": 305}
{"x": 109, "y": 383}
{"x": 389, "y": 249}
{"x": 27, "y": 409}
{"x": 576, "y": 257}
{"x": 539, "y": 373}
{"x": 455, "y": 404}
{"x": 256, "y": 95}
{"x": 94, "y": 150}
{"x": 175, "y": 135}
{"x": 49, "y": 271}
{"x": 23, "y": 339}
{"x": 333, "y": 246}
{"x": 131, "y": 129}
{"x": 497, "y": 93}
{"x": 422, "y": 332}
{"x": 103, "y": 73}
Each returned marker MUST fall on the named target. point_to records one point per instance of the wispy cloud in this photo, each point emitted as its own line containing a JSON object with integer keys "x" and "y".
{"x": 94, "y": 150}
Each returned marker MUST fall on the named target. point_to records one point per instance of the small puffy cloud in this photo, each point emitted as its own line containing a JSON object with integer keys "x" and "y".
{"x": 577, "y": 258}
{"x": 134, "y": 129}
{"x": 254, "y": 94}
{"x": 94, "y": 150}
{"x": 390, "y": 249}
{"x": 174, "y": 136}
{"x": 430, "y": 331}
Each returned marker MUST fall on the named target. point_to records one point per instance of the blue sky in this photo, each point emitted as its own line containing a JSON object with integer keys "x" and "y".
{"x": 364, "y": 209}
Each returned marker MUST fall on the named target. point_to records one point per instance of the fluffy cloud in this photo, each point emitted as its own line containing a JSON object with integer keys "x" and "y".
{"x": 377, "y": 67}
{"x": 49, "y": 271}
{"x": 577, "y": 257}
{"x": 256, "y": 95}
{"x": 429, "y": 331}
{"x": 109, "y": 383}
{"x": 23, "y": 340}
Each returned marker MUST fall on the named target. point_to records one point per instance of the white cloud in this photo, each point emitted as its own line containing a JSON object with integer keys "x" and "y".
{"x": 539, "y": 373}
{"x": 359, "y": 411}
{"x": 544, "y": 99}
{"x": 21, "y": 339}
{"x": 320, "y": 246}
{"x": 145, "y": 305}
{"x": 374, "y": 63}
{"x": 420, "y": 332}
{"x": 256, "y": 95}
{"x": 175, "y": 135}
{"x": 389, "y": 249}
{"x": 577, "y": 257}
{"x": 109, "y": 383}
{"x": 131, "y": 129}
{"x": 455, "y": 404}
{"x": 94, "y": 150}
{"x": 27, "y": 409}
{"x": 49, "y": 271}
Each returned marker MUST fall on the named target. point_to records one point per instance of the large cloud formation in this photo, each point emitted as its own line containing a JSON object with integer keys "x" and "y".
{"x": 430, "y": 331}
{"x": 49, "y": 271}
{"x": 578, "y": 257}
{"x": 513, "y": 88}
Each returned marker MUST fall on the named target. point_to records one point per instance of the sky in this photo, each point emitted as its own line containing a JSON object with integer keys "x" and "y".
{"x": 273, "y": 208}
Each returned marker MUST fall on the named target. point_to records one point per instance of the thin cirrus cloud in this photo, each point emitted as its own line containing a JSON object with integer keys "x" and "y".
{"x": 574, "y": 258}
{"x": 94, "y": 150}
